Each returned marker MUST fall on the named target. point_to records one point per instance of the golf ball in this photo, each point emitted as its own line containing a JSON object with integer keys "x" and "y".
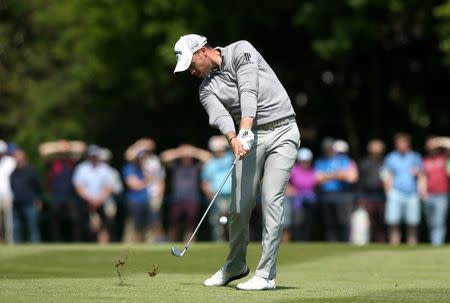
{"x": 223, "y": 220}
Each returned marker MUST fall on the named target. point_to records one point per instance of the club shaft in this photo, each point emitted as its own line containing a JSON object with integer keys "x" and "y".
{"x": 236, "y": 159}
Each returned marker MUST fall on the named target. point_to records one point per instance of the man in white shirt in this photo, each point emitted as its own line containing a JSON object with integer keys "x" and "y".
{"x": 7, "y": 166}
{"x": 93, "y": 184}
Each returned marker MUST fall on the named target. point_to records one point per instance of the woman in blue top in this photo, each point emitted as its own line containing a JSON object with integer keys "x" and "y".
{"x": 137, "y": 196}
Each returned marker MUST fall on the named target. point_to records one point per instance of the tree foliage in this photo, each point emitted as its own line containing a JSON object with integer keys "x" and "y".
{"x": 102, "y": 70}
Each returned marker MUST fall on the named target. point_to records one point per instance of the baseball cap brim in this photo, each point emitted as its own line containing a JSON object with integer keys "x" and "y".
{"x": 185, "y": 48}
{"x": 183, "y": 62}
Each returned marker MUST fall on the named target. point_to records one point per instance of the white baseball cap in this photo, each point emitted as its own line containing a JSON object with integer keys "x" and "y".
{"x": 340, "y": 146}
{"x": 304, "y": 154}
{"x": 185, "y": 47}
{"x": 104, "y": 154}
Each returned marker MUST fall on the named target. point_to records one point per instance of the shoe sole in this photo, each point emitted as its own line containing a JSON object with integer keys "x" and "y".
{"x": 245, "y": 274}
{"x": 268, "y": 288}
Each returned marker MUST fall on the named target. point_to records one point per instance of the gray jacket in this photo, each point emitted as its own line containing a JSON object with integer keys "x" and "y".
{"x": 244, "y": 86}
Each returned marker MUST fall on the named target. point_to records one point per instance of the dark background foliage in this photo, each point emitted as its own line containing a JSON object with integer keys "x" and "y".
{"x": 101, "y": 71}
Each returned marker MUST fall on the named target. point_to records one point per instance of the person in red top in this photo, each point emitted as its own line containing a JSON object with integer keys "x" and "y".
{"x": 436, "y": 199}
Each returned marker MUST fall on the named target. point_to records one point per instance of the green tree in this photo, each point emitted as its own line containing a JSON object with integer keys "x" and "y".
{"x": 442, "y": 12}
{"x": 380, "y": 53}
{"x": 101, "y": 70}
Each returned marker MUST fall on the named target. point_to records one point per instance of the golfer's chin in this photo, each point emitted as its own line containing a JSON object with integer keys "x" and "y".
{"x": 201, "y": 76}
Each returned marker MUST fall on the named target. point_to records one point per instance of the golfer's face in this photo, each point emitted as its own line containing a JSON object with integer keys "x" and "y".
{"x": 200, "y": 65}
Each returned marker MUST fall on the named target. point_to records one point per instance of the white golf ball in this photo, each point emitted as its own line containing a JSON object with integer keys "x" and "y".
{"x": 223, "y": 220}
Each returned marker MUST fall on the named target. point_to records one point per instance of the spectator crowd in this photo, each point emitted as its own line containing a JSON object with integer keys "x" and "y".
{"x": 331, "y": 197}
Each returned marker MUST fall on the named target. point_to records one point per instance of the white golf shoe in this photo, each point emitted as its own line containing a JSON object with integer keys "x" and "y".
{"x": 257, "y": 283}
{"x": 222, "y": 278}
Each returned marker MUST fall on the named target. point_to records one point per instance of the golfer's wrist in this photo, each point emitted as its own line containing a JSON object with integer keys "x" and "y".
{"x": 246, "y": 122}
{"x": 230, "y": 138}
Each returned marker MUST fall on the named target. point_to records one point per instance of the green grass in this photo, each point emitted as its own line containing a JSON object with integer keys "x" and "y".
{"x": 306, "y": 273}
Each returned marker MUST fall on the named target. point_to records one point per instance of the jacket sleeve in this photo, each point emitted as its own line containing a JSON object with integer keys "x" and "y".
{"x": 245, "y": 62}
{"x": 219, "y": 117}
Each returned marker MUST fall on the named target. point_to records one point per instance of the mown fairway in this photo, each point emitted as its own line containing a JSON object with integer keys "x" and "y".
{"x": 306, "y": 273}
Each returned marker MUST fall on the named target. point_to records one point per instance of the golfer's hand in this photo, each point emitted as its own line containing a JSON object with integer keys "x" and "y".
{"x": 243, "y": 142}
{"x": 247, "y": 138}
{"x": 238, "y": 149}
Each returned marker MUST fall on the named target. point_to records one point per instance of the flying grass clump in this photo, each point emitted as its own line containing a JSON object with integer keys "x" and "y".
{"x": 154, "y": 271}
{"x": 120, "y": 264}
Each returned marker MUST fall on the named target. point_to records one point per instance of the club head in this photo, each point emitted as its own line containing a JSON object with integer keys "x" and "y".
{"x": 176, "y": 252}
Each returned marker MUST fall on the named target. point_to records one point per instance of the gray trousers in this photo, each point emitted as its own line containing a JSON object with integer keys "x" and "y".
{"x": 265, "y": 170}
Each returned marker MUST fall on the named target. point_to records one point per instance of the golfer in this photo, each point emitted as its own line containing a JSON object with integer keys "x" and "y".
{"x": 245, "y": 100}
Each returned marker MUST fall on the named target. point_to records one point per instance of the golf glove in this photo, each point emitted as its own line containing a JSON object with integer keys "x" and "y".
{"x": 247, "y": 138}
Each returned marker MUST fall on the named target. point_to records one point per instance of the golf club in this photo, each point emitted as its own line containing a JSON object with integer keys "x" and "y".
{"x": 175, "y": 250}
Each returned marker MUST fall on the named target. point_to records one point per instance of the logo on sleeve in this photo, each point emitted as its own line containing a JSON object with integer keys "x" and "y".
{"x": 246, "y": 59}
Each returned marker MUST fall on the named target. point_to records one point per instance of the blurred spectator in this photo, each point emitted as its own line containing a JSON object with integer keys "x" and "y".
{"x": 71, "y": 149}
{"x": 185, "y": 188}
{"x": 402, "y": 174}
{"x": 27, "y": 190}
{"x": 12, "y": 147}
{"x": 287, "y": 220}
{"x": 359, "y": 219}
{"x": 156, "y": 174}
{"x": 436, "y": 198}
{"x": 212, "y": 176}
{"x": 441, "y": 142}
{"x": 336, "y": 172}
{"x": 65, "y": 224}
{"x": 138, "y": 196}
{"x": 93, "y": 184}
{"x": 302, "y": 197}
{"x": 371, "y": 190}
{"x": 105, "y": 156}
{"x": 7, "y": 165}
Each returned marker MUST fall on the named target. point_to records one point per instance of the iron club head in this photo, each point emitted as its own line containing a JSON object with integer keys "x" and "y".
{"x": 176, "y": 252}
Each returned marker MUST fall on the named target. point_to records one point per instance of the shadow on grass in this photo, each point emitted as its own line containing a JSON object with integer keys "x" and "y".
{"x": 233, "y": 286}
{"x": 285, "y": 288}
